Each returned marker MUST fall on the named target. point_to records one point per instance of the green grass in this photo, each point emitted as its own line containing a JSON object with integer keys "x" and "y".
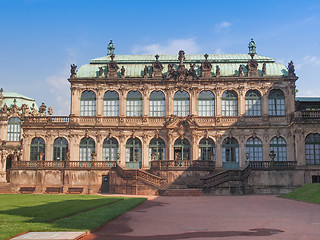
{"x": 307, "y": 193}
{"x": 20, "y": 213}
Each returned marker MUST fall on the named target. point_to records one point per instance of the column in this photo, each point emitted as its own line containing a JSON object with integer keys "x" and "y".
{"x": 264, "y": 105}
{"x": 99, "y": 149}
{"x": 99, "y": 105}
{"x": 122, "y": 103}
{"x": 49, "y": 149}
{"x": 300, "y": 148}
{"x": 242, "y": 154}
{"x": 122, "y": 149}
{"x": 74, "y": 148}
{"x": 170, "y": 155}
{"x": 169, "y": 103}
{"x": 265, "y": 148}
{"x": 218, "y": 101}
{"x": 75, "y": 101}
{"x": 193, "y": 103}
{"x": 241, "y": 103}
{"x": 26, "y": 149}
{"x": 290, "y": 147}
{"x": 195, "y": 148}
{"x": 145, "y": 104}
{"x": 145, "y": 155}
{"x": 218, "y": 153}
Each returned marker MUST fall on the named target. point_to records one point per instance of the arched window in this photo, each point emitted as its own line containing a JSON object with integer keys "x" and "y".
{"x": 278, "y": 145}
{"x": 157, "y": 104}
{"x": 277, "y": 103}
{"x": 230, "y": 153}
{"x": 181, "y": 104}
{"x": 87, "y": 147}
{"x": 157, "y": 149}
{"x": 133, "y": 153}
{"x": 206, "y": 149}
{"x": 14, "y": 129}
{"x": 253, "y": 103}
{"x": 88, "y": 104}
{"x": 111, "y": 104}
{"x": 229, "y": 103}
{"x": 313, "y": 149}
{"x": 60, "y": 148}
{"x": 37, "y": 149}
{"x": 254, "y": 149}
{"x": 110, "y": 149}
{"x": 134, "y": 104}
{"x": 206, "y": 104}
{"x": 182, "y": 149}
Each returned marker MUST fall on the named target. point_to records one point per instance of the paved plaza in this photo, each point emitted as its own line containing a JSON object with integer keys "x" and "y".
{"x": 215, "y": 217}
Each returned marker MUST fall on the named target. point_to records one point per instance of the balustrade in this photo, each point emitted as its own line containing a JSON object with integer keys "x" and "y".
{"x": 182, "y": 165}
{"x": 63, "y": 164}
{"x": 272, "y": 165}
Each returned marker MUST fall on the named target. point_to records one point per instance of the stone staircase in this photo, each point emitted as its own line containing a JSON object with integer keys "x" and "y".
{"x": 5, "y": 188}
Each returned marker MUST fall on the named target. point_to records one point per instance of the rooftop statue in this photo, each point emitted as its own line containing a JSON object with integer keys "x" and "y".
{"x": 111, "y": 48}
{"x": 291, "y": 69}
{"x": 73, "y": 70}
{"x": 252, "y": 48}
{"x": 181, "y": 57}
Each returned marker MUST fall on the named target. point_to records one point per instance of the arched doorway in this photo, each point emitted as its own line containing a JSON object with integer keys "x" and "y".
{"x": 181, "y": 149}
{"x": 8, "y": 167}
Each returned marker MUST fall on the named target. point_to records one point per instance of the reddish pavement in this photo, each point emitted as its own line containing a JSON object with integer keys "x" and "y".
{"x": 213, "y": 217}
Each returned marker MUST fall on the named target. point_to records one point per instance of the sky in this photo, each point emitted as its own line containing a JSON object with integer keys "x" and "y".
{"x": 39, "y": 39}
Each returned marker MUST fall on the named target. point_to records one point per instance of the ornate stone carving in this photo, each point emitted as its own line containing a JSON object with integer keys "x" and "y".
{"x": 264, "y": 69}
{"x": 252, "y": 68}
{"x": 206, "y": 67}
{"x": 157, "y": 68}
{"x": 192, "y": 72}
{"x": 217, "y": 71}
{"x": 122, "y": 72}
{"x": 73, "y": 71}
{"x": 100, "y": 72}
{"x": 42, "y": 109}
{"x": 111, "y": 48}
{"x": 252, "y": 48}
{"x": 146, "y": 71}
{"x": 240, "y": 71}
{"x": 112, "y": 68}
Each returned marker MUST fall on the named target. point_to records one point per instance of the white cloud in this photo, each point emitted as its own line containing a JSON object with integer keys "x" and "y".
{"x": 60, "y": 88}
{"x": 222, "y": 26}
{"x": 172, "y": 47}
{"x": 218, "y": 51}
{"x": 312, "y": 60}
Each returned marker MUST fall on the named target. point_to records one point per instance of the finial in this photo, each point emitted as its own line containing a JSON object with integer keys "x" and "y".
{"x": 15, "y": 102}
{"x": 157, "y": 57}
{"x": 111, "y": 48}
{"x": 252, "y": 48}
{"x": 112, "y": 57}
{"x": 206, "y": 56}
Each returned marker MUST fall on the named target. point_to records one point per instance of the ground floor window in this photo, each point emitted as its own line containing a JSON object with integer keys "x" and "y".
{"x": 182, "y": 149}
{"x": 206, "y": 149}
{"x": 37, "y": 149}
{"x": 254, "y": 149}
{"x": 60, "y": 148}
{"x": 230, "y": 150}
{"x": 312, "y": 144}
{"x": 110, "y": 149}
{"x": 133, "y": 150}
{"x": 279, "y": 147}
{"x": 157, "y": 149}
{"x": 87, "y": 149}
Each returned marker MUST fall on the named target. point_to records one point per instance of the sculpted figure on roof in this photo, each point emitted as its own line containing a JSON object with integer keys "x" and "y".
{"x": 206, "y": 68}
{"x": 157, "y": 67}
{"x": 252, "y": 47}
{"x": 291, "y": 69}
{"x": 111, "y": 48}
{"x": 73, "y": 70}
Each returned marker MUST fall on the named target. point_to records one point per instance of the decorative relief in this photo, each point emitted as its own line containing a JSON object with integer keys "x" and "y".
{"x": 157, "y": 68}
{"x": 206, "y": 67}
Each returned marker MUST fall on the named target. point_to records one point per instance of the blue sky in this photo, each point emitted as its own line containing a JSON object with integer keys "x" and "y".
{"x": 39, "y": 39}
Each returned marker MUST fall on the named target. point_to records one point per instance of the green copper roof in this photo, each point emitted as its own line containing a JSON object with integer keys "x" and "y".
{"x": 9, "y": 97}
{"x": 308, "y": 99}
{"x": 228, "y": 63}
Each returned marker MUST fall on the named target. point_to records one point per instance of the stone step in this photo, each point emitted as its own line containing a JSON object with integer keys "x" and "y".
{"x": 190, "y": 192}
{"x": 5, "y": 188}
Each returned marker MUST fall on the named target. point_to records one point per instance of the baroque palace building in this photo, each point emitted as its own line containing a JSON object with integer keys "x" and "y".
{"x": 142, "y": 124}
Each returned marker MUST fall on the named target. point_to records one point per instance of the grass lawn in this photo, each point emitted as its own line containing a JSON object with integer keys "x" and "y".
{"x": 20, "y": 213}
{"x": 307, "y": 193}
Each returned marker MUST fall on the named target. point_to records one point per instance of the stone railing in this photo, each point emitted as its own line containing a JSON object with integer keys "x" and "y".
{"x": 310, "y": 114}
{"x": 273, "y": 165}
{"x": 47, "y": 119}
{"x": 225, "y": 176}
{"x": 63, "y": 165}
{"x": 183, "y": 165}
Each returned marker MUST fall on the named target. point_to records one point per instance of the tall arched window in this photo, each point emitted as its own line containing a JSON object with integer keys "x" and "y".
{"x": 133, "y": 153}
{"x": 313, "y": 149}
{"x": 206, "y": 149}
{"x": 230, "y": 153}
{"x": 60, "y": 148}
{"x": 157, "y": 104}
{"x": 206, "y": 104}
{"x": 110, "y": 149}
{"x": 88, "y": 104}
{"x": 182, "y": 149}
{"x": 253, "y": 103}
{"x": 111, "y": 104}
{"x": 254, "y": 149}
{"x": 157, "y": 149}
{"x": 277, "y": 103}
{"x": 181, "y": 104}
{"x": 87, "y": 147}
{"x": 134, "y": 104}
{"x": 278, "y": 145}
{"x": 14, "y": 129}
{"x": 229, "y": 103}
{"x": 37, "y": 149}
